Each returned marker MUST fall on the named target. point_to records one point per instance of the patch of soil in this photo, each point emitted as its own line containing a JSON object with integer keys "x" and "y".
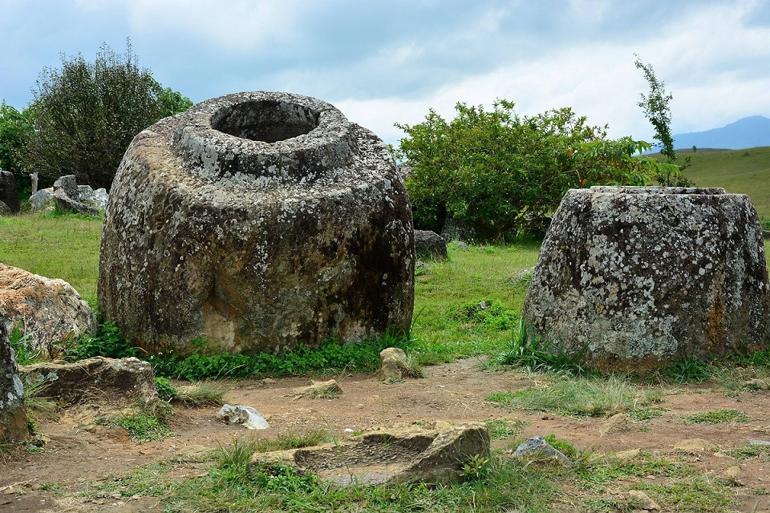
{"x": 81, "y": 453}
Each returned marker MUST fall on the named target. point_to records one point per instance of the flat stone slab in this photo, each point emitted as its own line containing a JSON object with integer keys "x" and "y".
{"x": 118, "y": 380}
{"x": 425, "y": 452}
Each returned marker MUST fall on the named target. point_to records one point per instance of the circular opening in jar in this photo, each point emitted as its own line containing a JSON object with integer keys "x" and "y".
{"x": 265, "y": 120}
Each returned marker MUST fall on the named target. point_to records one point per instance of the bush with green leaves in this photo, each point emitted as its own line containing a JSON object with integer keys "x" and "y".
{"x": 86, "y": 113}
{"x": 496, "y": 173}
{"x": 15, "y": 132}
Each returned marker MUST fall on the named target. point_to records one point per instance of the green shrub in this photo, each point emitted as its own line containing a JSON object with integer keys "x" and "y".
{"x": 85, "y": 114}
{"x": 19, "y": 342}
{"x": 143, "y": 426}
{"x": 717, "y": 417}
{"x": 107, "y": 341}
{"x": 166, "y": 390}
{"x": 496, "y": 173}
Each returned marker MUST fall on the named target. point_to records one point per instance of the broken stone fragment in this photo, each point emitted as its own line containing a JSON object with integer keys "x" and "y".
{"x": 66, "y": 204}
{"x": 538, "y": 450}
{"x": 245, "y": 415}
{"x": 429, "y": 245}
{"x": 394, "y": 365}
{"x": 618, "y": 423}
{"x": 632, "y": 278}
{"x": 13, "y": 418}
{"x": 319, "y": 390}
{"x": 640, "y": 501}
{"x": 67, "y": 185}
{"x": 48, "y": 311}
{"x": 424, "y": 452}
{"x": 100, "y": 379}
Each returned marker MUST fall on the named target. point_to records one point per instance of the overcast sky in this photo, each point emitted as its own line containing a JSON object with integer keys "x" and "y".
{"x": 385, "y": 62}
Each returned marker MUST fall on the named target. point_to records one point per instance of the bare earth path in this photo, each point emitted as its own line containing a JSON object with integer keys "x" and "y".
{"x": 79, "y": 453}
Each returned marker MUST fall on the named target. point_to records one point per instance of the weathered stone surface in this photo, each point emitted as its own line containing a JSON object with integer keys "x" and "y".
{"x": 428, "y": 244}
{"x": 5, "y": 209}
{"x": 42, "y": 200}
{"x": 536, "y": 449}
{"x": 319, "y": 390}
{"x": 244, "y": 415}
{"x": 93, "y": 198}
{"x": 618, "y": 423}
{"x": 257, "y": 221}
{"x": 8, "y": 193}
{"x": 68, "y": 185}
{"x": 394, "y": 365}
{"x": 13, "y": 419}
{"x": 66, "y": 204}
{"x": 635, "y": 277}
{"x": 115, "y": 380}
{"x": 432, "y": 453}
{"x": 47, "y": 310}
{"x": 695, "y": 446}
{"x": 640, "y": 501}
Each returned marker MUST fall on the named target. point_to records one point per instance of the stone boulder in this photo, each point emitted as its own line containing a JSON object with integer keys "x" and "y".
{"x": 257, "y": 221}
{"x": 395, "y": 365}
{"x": 428, "y": 244}
{"x": 8, "y": 193}
{"x": 13, "y": 419}
{"x": 68, "y": 185}
{"x": 432, "y": 453}
{"x": 47, "y": 310}
{"x": 42, "y": 200}
{"x": 635, "y": 277}
{"x": 114, "y": 380}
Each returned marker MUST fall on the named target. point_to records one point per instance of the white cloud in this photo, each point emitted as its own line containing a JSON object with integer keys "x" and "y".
{"x": 701, "y": 59}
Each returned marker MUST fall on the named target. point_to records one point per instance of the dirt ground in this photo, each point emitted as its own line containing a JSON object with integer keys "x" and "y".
{"x": 80, "y": 454}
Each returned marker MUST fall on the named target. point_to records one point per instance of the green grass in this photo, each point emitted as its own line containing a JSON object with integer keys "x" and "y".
{"x": 500, "y": 429}
{"x": 579, "y": 397}
{"x": 717, "y": 417}
{"x": 742, "y": 171}
{"x": 145, "y": 425}
{"x": 64, "y": 247}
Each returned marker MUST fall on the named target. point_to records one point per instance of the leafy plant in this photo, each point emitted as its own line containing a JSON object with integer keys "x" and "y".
{"x": 495, "y": 173}
{"x": 85, "y": 114}
{"x": 143, "y": 426}
{"x": 20, "y": 343}
{"x": 165, "y": 388}
{"x": 107, "y": 341}
{"x": 689, "y": 370}
{"x": 717, "y": 417}
{"x": 537, "y": 356}
{"x": 15, "y": 132}
{"x": 488, "y": 312}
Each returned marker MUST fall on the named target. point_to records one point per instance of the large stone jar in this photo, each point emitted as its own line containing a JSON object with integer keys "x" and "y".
{"x": 636, "y": 277}
{"x": 256, "y": 221}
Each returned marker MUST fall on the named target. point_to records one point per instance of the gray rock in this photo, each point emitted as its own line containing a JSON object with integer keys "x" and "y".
{"x": 65, "y": 203}
{"x": 633, "y": 278}
{"x": 49, "y": 311}
{"x": 394, "y": 365}
{"x": 115, "y": 380}
{"x": 68, "y": 185}
{"x": 42, "y": 200}
{"x": 93, "y": 198}
{"x": 760, "y": 443}
{"x": 13, "y": 418}
{"x": 537, "y": 449}
{"x": 400, "y": 454}
{"x": 277, "y": 221}
{"x": 8, "y": 193}
{"x": 428, "y": 244}
{"x": 245, "y": 415}
{"x": 4, "y": 209}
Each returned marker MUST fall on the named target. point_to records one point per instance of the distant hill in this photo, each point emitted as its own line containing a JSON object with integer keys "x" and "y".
{"x": 744, "y": 171}
{"x": 745, "y": 133}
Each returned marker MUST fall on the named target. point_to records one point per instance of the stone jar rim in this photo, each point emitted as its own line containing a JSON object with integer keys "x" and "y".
{"x": 324, "y": 144}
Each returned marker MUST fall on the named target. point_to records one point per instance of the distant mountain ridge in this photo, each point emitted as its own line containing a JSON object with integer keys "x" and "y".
{"x": 747, "y": 132}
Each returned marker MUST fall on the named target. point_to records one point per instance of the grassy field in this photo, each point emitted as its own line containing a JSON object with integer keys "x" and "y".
{"x": 744, "y": 171}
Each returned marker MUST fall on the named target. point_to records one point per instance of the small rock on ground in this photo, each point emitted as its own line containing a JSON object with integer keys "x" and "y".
{"x": 618, "y": 423}
{"x": 695, "y": 446}
{"x": 245, "y": 415}
{"x": 640, "y": 501}
{"x": 319, "y": 390}
{"x": 537, "y": 449}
